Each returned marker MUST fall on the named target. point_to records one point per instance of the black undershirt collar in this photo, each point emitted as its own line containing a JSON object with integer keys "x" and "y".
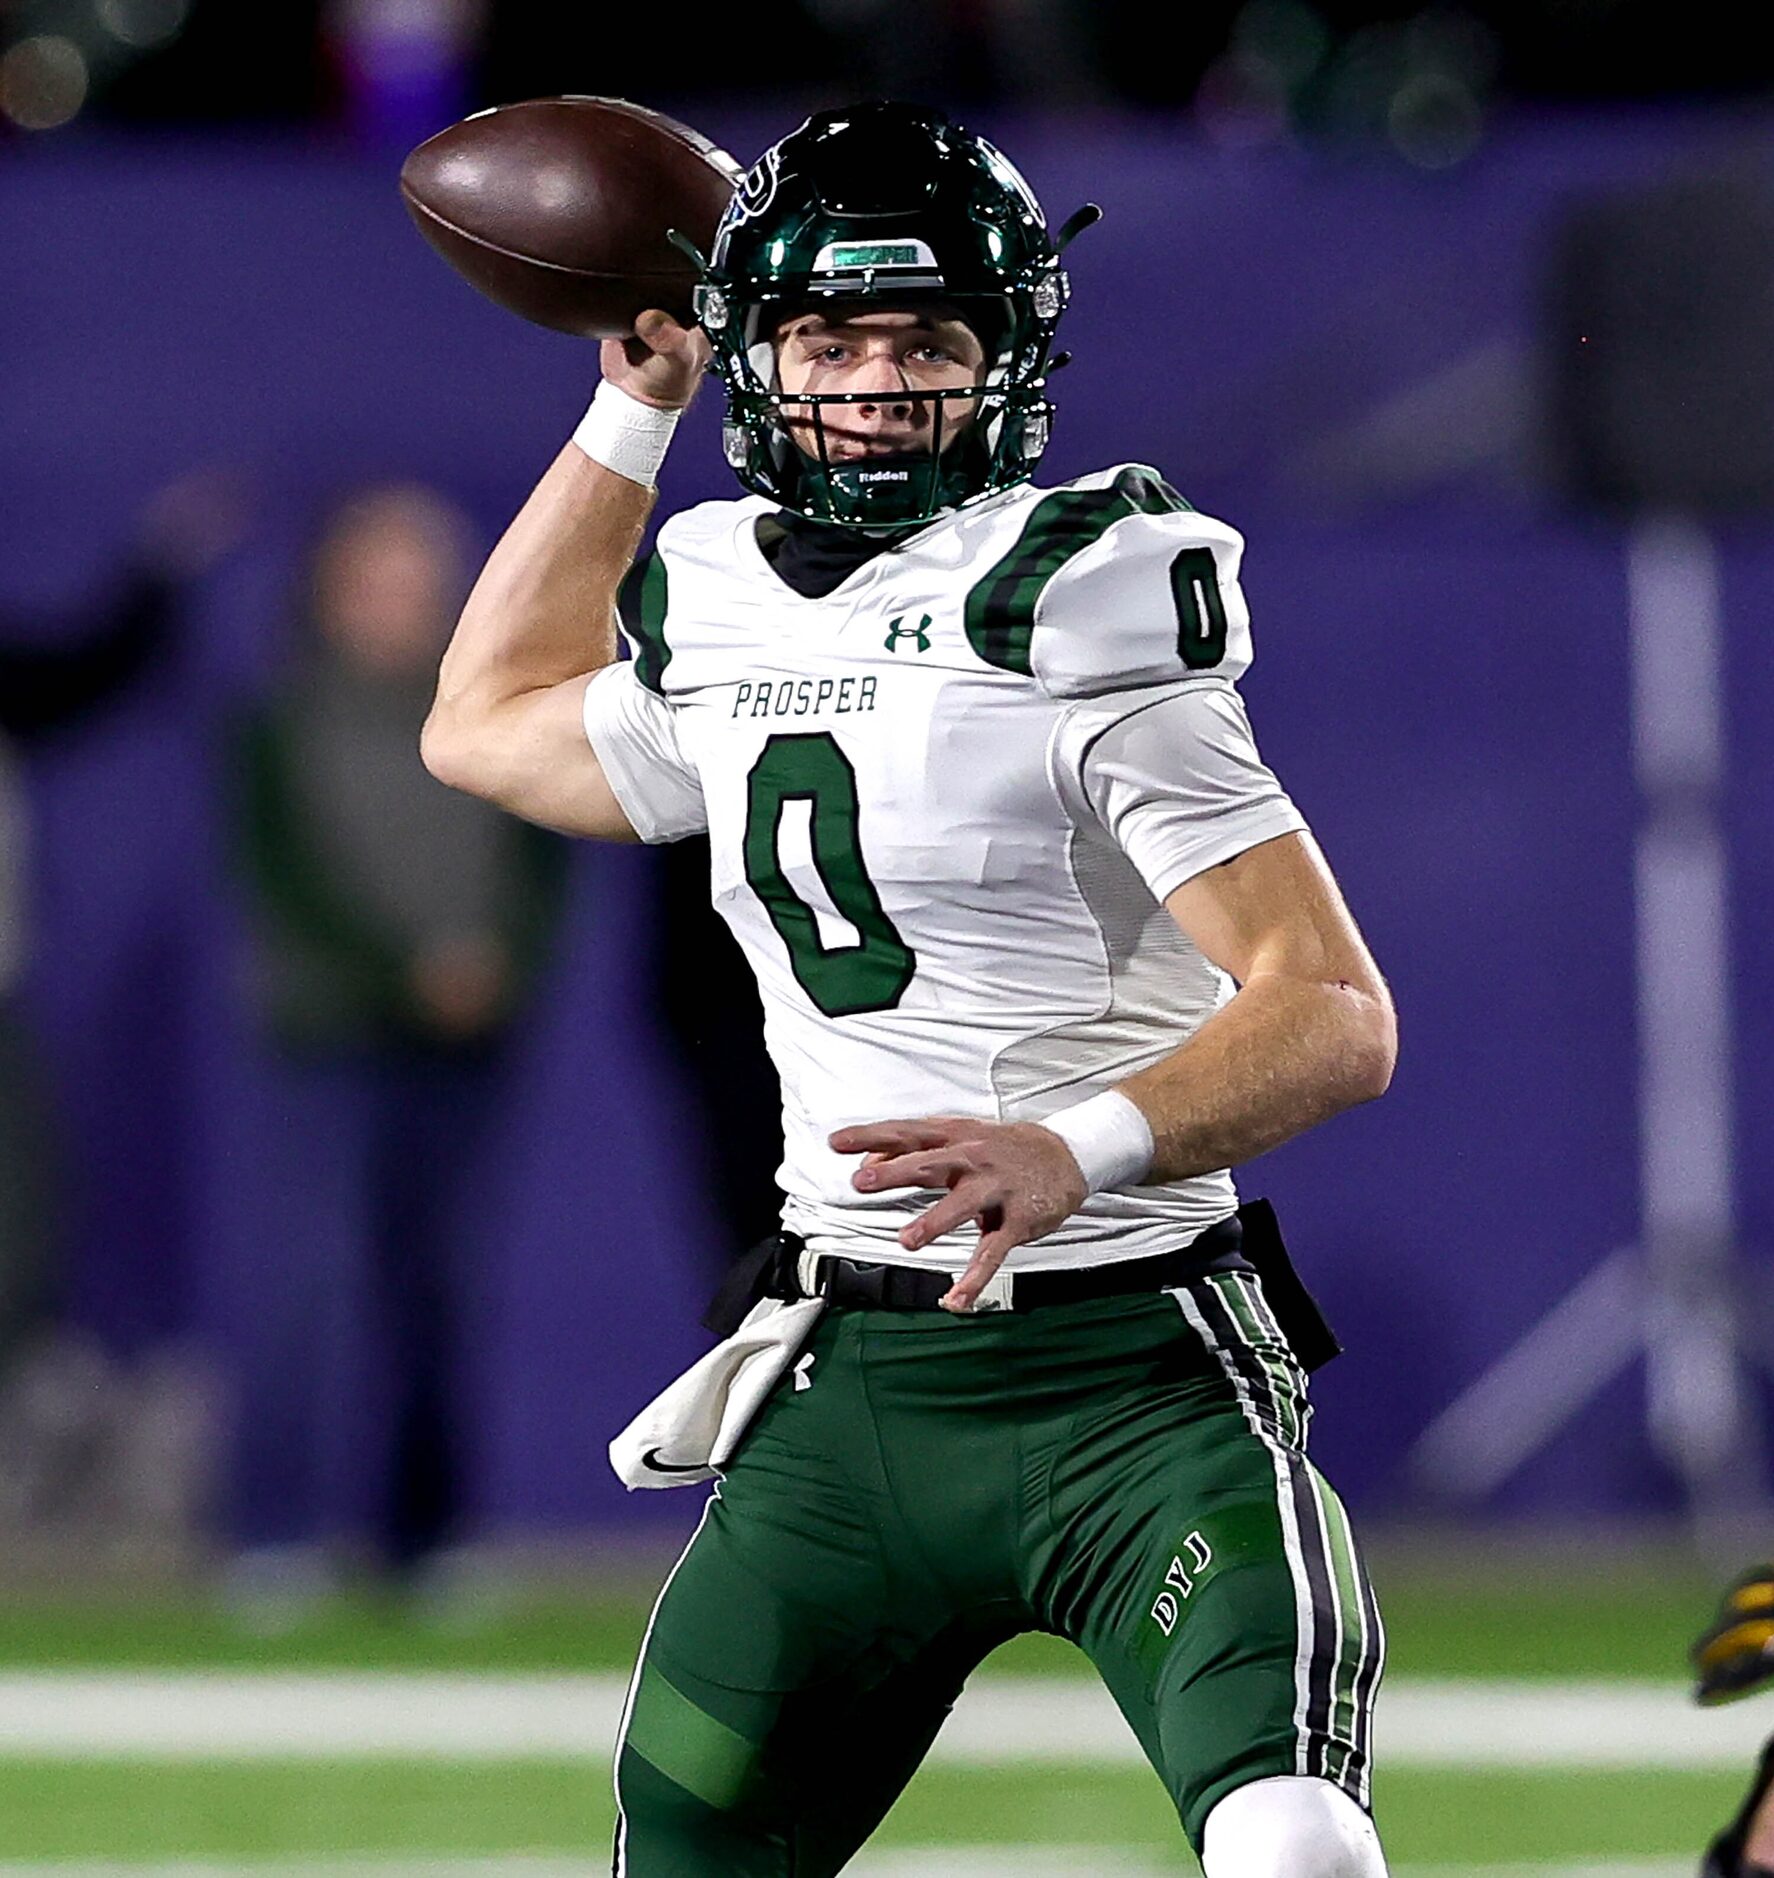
{"x": 814, "y": 558}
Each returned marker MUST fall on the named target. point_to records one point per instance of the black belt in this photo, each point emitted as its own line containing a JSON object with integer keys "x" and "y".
{"x": 859, "y": 1284}
{"x": 771, "y": 1270}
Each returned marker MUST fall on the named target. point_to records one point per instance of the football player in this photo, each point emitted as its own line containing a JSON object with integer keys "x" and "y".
{"x": 986, "y": 815}
{"x": 1732, "y": 1659}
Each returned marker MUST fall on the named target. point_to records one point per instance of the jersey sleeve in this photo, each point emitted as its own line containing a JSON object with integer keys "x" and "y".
{"x": 633, "y": 731}
{"x": 1114, "y": 582}
{"x": 1172, "y": 774}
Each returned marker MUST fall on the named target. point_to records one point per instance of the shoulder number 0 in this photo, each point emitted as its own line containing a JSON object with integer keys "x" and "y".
{"x": 842, "y": 981}
{"x": 1201, "y": 609}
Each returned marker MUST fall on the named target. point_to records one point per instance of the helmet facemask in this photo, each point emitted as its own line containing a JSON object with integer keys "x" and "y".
{"x": 791, "y": 445}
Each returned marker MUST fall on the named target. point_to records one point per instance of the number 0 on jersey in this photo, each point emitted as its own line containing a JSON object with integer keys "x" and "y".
{"x": 843, "y": 981}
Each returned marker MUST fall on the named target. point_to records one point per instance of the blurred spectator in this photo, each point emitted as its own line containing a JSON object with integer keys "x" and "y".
{"x": 404, "y": 67}
{"x": 397, "y": 932}
{"x": 54, "y": 679}
{"x": 91, "y": 1450}
{"x": 1017, "y": 51}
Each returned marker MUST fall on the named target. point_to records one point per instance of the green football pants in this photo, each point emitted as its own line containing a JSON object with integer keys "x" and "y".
{"x": 1128, "y": 1473}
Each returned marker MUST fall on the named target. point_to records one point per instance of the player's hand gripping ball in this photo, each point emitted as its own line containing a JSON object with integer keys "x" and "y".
{"x": 559, "y": 209}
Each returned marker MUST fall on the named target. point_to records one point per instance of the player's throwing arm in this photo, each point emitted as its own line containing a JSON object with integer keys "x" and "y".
{"x": 507, "y": 723}
{"x": 563, "y": 209}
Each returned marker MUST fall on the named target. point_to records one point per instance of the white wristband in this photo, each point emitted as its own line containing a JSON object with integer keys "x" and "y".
{"x": 1109, "y": 1137}
{"x": 626, "y": 435}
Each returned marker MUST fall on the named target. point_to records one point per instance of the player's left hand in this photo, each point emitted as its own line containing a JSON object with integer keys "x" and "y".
{"x": 1014, "y": 1180}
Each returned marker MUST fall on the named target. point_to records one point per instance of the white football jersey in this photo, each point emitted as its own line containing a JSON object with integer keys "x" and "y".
{"x": 945, "y": 803}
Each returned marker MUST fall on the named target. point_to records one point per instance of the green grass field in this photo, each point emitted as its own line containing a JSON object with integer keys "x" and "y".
{"x": 1450, "y": 1617}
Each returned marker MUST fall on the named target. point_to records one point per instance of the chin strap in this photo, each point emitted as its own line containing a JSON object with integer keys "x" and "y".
{"x": 1073, "y": 226}
{"x": 697, "y": 259}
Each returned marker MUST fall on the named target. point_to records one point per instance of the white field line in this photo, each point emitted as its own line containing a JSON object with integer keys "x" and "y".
{"x": 999, "y": 1722}
{"x": 1018, "y": 1861}
{"x": 1030, "y": 1861}
{"x": 334, "y": 1865}
{"x": 1021, "y": 1861}
{"x": 921, "y": 1862}
{"x": 1589, "y": 1868}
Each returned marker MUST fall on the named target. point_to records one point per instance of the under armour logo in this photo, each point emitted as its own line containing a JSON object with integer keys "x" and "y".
{"x": 920, "y": 632}
{"x": 802, "y": 1379}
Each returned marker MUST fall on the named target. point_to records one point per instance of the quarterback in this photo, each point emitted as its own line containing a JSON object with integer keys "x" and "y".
{"x": 1044, "y": 951}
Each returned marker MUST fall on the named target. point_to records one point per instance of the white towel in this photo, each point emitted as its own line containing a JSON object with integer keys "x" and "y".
{"x": 691, "y": 1428}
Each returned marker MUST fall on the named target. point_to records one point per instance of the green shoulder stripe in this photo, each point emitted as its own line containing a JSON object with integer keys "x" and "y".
{"x": 1001, "y": 607}
{"x": 641, "y": 606}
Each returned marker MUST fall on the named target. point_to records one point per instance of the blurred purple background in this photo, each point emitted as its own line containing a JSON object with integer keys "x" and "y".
{"x": 1343, "y": 356}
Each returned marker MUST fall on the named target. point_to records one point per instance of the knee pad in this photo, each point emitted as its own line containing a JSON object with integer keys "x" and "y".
{"x": 1290, "y": 1827}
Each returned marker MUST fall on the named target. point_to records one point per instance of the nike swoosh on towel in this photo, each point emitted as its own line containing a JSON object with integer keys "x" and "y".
{"x": 650, "y": 1461}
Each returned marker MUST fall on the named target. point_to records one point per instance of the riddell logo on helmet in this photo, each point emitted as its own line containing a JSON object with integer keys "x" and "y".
{"x": 885, "y": 476}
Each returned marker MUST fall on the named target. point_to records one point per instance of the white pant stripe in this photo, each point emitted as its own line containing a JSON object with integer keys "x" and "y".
{"x": 1304, "y": 1620}
{"x": 1337, "y": 1670}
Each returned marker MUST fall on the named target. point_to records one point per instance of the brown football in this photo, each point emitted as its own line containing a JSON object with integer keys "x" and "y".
{"x": 558, "y": 208}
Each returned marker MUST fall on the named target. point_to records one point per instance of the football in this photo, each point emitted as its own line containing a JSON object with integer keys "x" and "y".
{"x": 559, "y": 208}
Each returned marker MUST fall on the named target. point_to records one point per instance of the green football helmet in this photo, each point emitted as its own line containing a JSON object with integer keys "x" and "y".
{"x": 889, "y": 204}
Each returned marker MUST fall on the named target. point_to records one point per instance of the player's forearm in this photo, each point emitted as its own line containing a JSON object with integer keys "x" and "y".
{"x": 1285, "y": 1054}
{"x": 544, "y": 608}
